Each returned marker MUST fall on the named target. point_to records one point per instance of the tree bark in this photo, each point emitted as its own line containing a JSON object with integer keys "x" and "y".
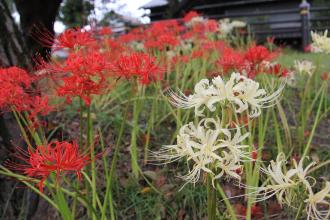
{"x": 13, "y": 49}
{"x": 36, "y": 16}
{"x": 18, "y": 46}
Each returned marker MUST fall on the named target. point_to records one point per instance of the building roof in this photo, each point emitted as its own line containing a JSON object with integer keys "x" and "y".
{"x": 155, "y": 3}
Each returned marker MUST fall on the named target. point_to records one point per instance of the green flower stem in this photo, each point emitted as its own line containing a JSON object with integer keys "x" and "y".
{"x": 227, "y": 203}
{"x": 27, "y": 181}
{"x": 113, "y": 165}
{"x": 135, "y": 131}
{"x": 81, "y": 123}
{"x": 211, "y": 200}
{"x": 316, "y": 120}
{"x": 90, "y": 146}
{"x": 299, "y": 212}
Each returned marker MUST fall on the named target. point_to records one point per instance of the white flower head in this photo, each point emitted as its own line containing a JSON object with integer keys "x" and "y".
{"x": 226, "y": 26}
{"x": 284, "y": 180}
{"x": 241, "y": 92}
{"x": 304, "y": 67}
{"x": 206, "y": 147}
{"x": 317, "y": 200}
{"x": 321, "y": 43}
{"x": 195, "y": 20}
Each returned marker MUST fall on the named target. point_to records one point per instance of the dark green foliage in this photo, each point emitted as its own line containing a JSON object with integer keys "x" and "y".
{"x": 74, "y": 13}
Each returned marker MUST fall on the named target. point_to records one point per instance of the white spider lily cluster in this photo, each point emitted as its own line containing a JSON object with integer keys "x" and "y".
{"x": 282, "y": 180}
{"x": 226, "y": 26}
{"x": 321, "y": 43}
{"x": 241, "y": 92}
{"x": 317, "y": 200}
{"x": 207, "y": 147}
{"x": 304, "y": 67}
{"x": 285, "y": 182}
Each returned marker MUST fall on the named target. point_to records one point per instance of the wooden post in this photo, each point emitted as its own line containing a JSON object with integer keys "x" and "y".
{"x": 305, "y": 26}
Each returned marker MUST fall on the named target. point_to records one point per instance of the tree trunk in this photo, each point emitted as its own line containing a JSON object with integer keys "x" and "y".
{"x": 13, "y": 49}
{"x": 17, "y": 48}
{"x": 36, "y": 16}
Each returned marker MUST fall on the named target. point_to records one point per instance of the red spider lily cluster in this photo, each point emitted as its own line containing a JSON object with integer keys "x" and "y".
{"x": 17, "y": 94}
{"x": 255, "y": 60}
{"x": 138, "y": 65}
{"x": 56, "y": 157}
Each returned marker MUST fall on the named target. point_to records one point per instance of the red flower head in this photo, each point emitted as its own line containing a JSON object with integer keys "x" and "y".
{"x": 325, "y": 76}
{"x": 231, "y": 60}
{"x": 72, "y": 38}
{"x": 84, "y": 75}
{"x": 105, "y": 31}
{"x": 14, "y": 82}
{"x": 308, "y": 48}
{"x": 277, "y": 70}
{"x": 257, "y": 54}
{"x": 167, "y": 26}
{"x": 162, "y": 41}
{"x": 138, "y": 65}
{"x": 190, "y": 15}
{"x": 211, "y": 26}
{"x": 39, "y": 106}
{"x": 56, "y": 157}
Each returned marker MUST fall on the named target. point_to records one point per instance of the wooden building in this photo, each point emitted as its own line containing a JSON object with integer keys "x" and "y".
{"x": 283, "y": 19}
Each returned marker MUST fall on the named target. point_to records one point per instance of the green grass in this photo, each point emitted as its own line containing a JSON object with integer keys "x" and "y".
{"x": 322, "y": 61}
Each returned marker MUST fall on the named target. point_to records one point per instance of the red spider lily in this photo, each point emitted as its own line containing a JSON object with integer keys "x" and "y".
{"x": 231, "y": 60}
{"x": 83, "y": 75}
{"x": 162, "y": 42}
{"x": 167, "y": 26}
{"x": 14, "y": 82}
{"x": 138, "y": 65}
{"x": 74, "y": 37}
{"x": 136, "y": 34}
{"x": 70, "y": 38}
{"x": 257, "y": 54}
{"x": 39, "y": 106}
{"x": 325, "y": 76}
{"x": 211, "y": 26}
{"x": 55, "y": 157}
{"x": 254, "y": 155}
{"x": 190, "y": 15}
{"x": 277, "y": 70}
{"x": 308, "y": 48}
{"x": 105, "y": 31}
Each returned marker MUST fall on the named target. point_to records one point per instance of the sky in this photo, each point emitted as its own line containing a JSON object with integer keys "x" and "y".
{"x": 127, "y": 8}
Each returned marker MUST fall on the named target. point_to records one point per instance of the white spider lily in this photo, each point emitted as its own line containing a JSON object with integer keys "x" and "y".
{"x": 233, "y": 144}
{"x": 226, "y": 26}
{"x": 304, "y": 67}
{"x": 241, "y": 92}
{"x": 321, "y": 43}
{"x": 203, "y": 94}
{"x": 283, "y": 181}
{"x": 302, "y": 172}
{"x": 316, "y": 200}
{"x": 195, "y": 20}
{"x": 229, "y": 167}
{"x": 207, "y": 147}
